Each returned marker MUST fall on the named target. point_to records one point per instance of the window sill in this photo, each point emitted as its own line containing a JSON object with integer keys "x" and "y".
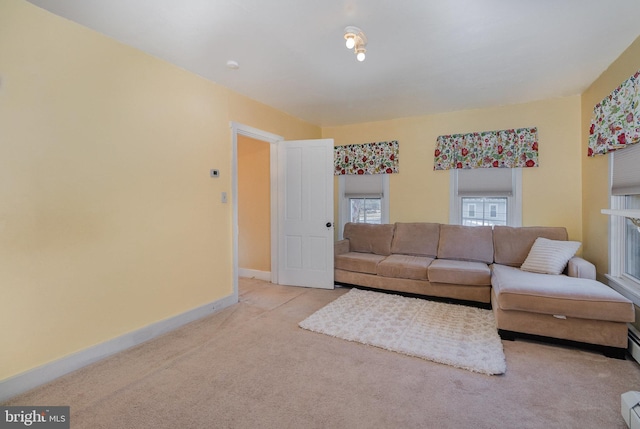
{"x": 630, "y": 213}
{"x": 625, "y": 287}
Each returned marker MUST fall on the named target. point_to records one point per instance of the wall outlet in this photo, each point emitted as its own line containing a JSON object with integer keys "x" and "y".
{"x": 223, "y": 197}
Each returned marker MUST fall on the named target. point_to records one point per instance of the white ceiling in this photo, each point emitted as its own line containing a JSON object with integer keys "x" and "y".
{"x": 423, "y": 56}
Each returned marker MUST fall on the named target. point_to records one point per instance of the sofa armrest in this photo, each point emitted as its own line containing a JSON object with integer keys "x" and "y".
{"x": 340, "y": 247}
{"x": 578, "y": 267}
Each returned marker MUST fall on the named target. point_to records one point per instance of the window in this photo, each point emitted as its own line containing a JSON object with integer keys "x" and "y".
{"x": 624, "y": 237}
{"x": 363, "y": 199}
{"x": 486, "y": 196}
{"x": 366, "y": 210}
{"x": 489, "y": 211}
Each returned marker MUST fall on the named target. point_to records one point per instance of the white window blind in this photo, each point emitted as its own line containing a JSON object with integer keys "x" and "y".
{"x": 484, "y": 182}
{"x": 363, "y": 185}
{"x": 626, "y": 171}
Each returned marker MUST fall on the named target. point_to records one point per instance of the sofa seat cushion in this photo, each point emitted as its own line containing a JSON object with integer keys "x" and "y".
{"x": 558, "y": 295}
{"x": 404, "y": 267}
{"x": 459, "y": 272}
{"x": 358, "y": 262}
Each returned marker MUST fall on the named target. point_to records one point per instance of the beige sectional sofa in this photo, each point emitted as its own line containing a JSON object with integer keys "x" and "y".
{"x": 491, "y": 266}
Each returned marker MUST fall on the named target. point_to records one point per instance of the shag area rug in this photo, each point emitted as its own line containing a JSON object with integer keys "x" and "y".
{"x": 458, "y": 335}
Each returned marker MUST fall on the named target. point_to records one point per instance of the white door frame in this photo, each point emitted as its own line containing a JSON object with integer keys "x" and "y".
{"x": 273, "y": 140}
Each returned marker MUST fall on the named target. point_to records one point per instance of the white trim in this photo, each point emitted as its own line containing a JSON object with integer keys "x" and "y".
{"x": 616, "y": 240}
{"x": 616, "y": 232}
{"x": 273, "y": 179}
{"x": 515, "y": 209}
{"x": 342, "y": 207}
{"x": 455, "y": 202}
{"x": 624, "y": 287}
{"x": 35, "y": 377}
{"x": 256, "y": 274}
{"x": 255, "y": 133}
{"x": 386, "y": 206}
{"x": 628, "y": 213}
{"x": 273, "y": 140}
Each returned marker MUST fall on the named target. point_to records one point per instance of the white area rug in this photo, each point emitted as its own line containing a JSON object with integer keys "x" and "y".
{"x": 457, "y": 335}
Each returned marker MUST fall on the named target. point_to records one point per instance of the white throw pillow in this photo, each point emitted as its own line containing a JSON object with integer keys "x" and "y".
{"x": 549, "y": 256}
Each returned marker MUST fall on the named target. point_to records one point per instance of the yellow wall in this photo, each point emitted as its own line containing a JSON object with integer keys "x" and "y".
{"x": 595, "y": 171}
{"x": 254, "y": 204}
{"x": 551, "y": 192}
{"x": 108, "y": 218}
{"x": 249, "y": 112}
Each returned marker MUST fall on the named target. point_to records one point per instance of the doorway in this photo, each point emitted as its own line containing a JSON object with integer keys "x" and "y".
{"x": 301, "y": 208}
{"x": 254, "y": 208}
{"x": 240, "y": 131}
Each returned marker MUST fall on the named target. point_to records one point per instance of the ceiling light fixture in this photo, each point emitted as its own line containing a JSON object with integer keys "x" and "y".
{"x": 356, "y": 40}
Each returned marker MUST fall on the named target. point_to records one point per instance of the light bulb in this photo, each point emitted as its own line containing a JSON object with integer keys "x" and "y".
{"x": 351, "y": 41}
{"x": 360, "y": 56}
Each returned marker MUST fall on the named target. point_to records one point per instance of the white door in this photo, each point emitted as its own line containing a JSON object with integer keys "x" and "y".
{"x": 305, "y": 207}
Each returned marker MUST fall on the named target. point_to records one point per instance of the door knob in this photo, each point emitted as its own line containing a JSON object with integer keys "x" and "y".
{"x": 329, "y": 224}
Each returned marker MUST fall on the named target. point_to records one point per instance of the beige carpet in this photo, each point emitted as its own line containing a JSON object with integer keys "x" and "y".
{"x": 457, "y": 335}
{"x": 251, "y": 366}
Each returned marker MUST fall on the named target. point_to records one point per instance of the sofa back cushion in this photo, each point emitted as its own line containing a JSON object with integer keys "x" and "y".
{"x": 466, "y": 243}
{"x": 512, "y": 244}
{"x": 417, "y": 239}
{"x": 369, "y": 238}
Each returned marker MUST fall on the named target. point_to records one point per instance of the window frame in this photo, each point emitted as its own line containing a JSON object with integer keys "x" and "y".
{"x": 619, "y": 280}
{"x": 344, "y": 207}
{"x": 514, "y": 201}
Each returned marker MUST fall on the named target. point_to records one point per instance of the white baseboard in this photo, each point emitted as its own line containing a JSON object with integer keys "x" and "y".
{"x": 33, "y": 378}
{"x": 260, "y": 275}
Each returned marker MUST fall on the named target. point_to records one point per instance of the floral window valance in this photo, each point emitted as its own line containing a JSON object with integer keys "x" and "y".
{"x": 368, "y": 158}
{"x": 488, "y": 149}
{"x": 615, "y": 123}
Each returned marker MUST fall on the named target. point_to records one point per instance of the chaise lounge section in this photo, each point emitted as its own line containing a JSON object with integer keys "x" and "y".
{"x": 544, "y": 303}
{"x": 528, "y": 275}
